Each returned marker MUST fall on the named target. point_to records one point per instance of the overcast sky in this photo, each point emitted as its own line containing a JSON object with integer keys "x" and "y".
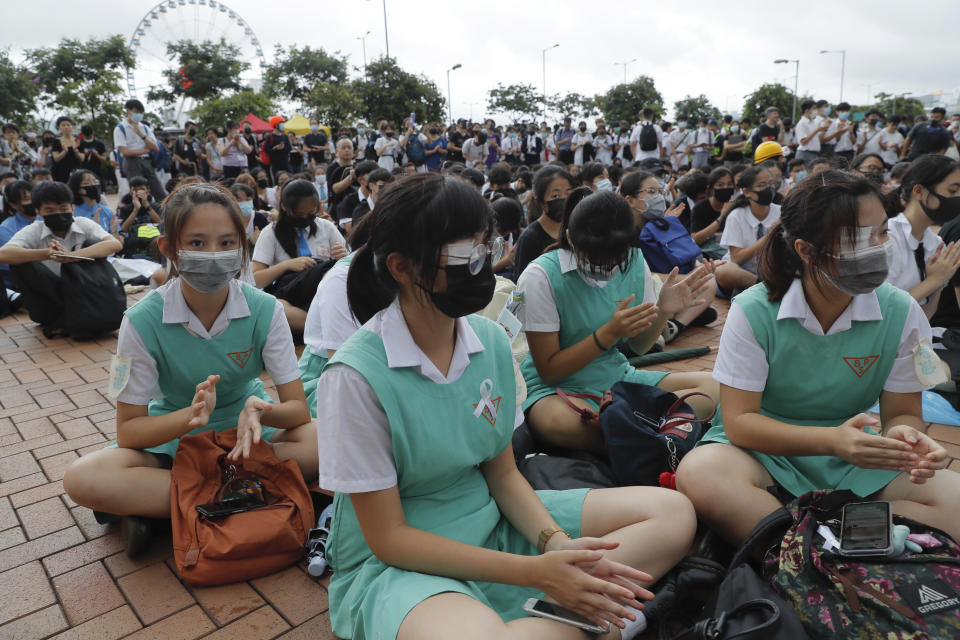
{"x": 721, "y": 49}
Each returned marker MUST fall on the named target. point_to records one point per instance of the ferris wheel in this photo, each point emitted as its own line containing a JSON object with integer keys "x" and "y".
{"x": 170, "y": 21}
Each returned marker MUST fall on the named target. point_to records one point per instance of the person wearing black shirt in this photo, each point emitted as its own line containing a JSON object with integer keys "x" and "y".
{"x": 927, "y": 137}
{"x": 366, "y": 195}
{"x": 769, "y": 129}
{"x": 137, "y": 209}
{"x": 341, "y": 179}
{"x": 455, "y": 141}
{"x": 315, "y": 144}
{"x": 709, "y": 215}
{"x": 278, "y": 148}
{"x": 253, "y": 158}
{"x": 93, "y": 150}
{"x": 532, "y": 146}
{"x": 185, "y": 151}
{"x": 551, "y": 186}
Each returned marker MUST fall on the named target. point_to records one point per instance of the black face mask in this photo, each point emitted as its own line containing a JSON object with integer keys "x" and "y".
{"x": 583, "y": 128}
{"x": 191, "y": 132}
{"x": 723, "y": 195}
{"x": 389, "y": 134}
{"x": 465, "y": 293}
{"x": 555, "y": 209}
{"x": 248, "y": 131}
{"x": 765, "y": 197}
{"x": 434, "y": 131}
{"x": 92, "y": 192}
{"x": 948, "y": 210}
{"x": 934, "y": 123}
{"x": 301, "y": 223}
{"x": 262, "y": 183}
{"x": 58, "y": 222}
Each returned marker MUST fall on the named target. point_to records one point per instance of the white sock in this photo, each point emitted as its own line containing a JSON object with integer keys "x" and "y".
{"x": 634, "y": 627}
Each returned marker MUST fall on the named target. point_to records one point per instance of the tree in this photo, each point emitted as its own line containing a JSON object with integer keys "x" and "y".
{"x": 770, "y": 95}
{"x": 891, "y": 104}
{"x": 216, "y": 111}
{"x": 388, "y": 92}
{"x": 574, "y": 105}
{"x": 517, "y": 101}
{"x": 695, "y": 108}
{"x": 333, "y": 104}
{"x": 83, "y": 78}
{"x": 296, "y": 72}
{"x": 201, "y": 71}
{"x": 17, "y": 92}
{"x": 624, "y": 102}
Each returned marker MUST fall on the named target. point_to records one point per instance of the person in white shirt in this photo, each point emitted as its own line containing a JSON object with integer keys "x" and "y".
{"x": 135, "y": 142}
{"x": 387, "y": 148}
{"x": 580, "y": 140}
{"x": 823, "y": 118}
{"x": 410, "y": 129}
{"x": 475, "y": 149}
{"x": 842, "y": 132}
{"x": 637, "y": 138}
{"x": 701, "y": 145}
{"x": 603, "y": 146}
{"x": 921, "y": 264}
{"x": 891, "y": 142}
{"x": 292, "y": 254}
{"x": 679, "y": 142}
{"x": 621, "y": 140}
{"x": 747, "y": 226}
{"x": 808, "y": 132}
{"x": 511, "y": 147}
{"x": 549, "y": 144}
{"x": 869, "y": 134}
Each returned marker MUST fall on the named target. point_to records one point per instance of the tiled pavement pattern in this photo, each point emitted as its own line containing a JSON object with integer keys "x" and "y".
{"x": 62, "y": 575}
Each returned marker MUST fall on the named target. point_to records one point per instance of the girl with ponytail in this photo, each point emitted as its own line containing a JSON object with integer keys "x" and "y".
{"x": 803, "y": 357}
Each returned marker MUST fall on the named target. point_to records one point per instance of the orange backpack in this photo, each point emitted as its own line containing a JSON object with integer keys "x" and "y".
{"x": 241, "y": 546}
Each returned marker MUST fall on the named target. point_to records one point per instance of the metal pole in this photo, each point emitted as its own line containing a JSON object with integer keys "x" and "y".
{"x": 544, "y": 54}
{"x": 796, "y": 84}
{"x": 386, "y": 34}
{"x": 449, "y": 102}
{"x": 843, "y": 66}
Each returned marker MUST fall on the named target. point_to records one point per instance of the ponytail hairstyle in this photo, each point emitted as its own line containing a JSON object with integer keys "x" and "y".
{"x": 292, "y": 194}
{"x": 180, "y": 205}
{"x": 821, "y": 210}
{"x": 414, "y": 218}
{"x": 601, "y": 227}
{"x": 928, "y": 171}
{"x": 747, "y": 179}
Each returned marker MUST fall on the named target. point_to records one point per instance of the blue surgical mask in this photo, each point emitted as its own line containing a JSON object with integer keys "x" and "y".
{"x": 800, "y": 176}
{"x": 604, "y": 185}
{"x": 734, "y": 128}
{"x": 313, "y": 127}
{"x": 136, "y": 117}
{"x": 281, "y": 126}
{"x": 682, "y": 125}
{"x": 843, "y": 115}
{"x": 246, "y": 208}
{"x": 361, "y": 131}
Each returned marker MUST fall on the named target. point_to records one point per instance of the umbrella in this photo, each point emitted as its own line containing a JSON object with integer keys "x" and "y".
{"x": 670, "y": 356}
{"x": 298, "y": 124}
{"x": 258, "y": 125}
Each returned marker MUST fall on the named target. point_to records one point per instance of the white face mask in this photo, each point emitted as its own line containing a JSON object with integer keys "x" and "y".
{"x": 209, "y": 271}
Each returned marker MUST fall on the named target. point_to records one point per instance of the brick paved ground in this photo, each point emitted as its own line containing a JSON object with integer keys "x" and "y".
{"x": 63, "y": 575}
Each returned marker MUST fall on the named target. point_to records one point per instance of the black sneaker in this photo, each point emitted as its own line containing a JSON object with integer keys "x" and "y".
{"x": 102, "y": 517}
{"x": 136, "y": 533}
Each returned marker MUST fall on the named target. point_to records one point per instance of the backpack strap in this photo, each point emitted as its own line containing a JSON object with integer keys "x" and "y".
{"x": 762, "y": 537}
{"x": 588, "y": 416}
{"x": 675, "y": 419}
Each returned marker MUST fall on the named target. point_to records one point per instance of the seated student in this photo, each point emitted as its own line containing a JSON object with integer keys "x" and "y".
{"x": 294, "y": 244}
{"x": 796, "y": 171}
{"x": 594, "y": 175}
{"x": 507, "y": 216}
{"x": 85, "y": 186}
{"x": 437, "y": 534}
{"x": 140, "y": 219}
{"x": 580, "y": 301}
{"x": 343, "y": 205}
{"x": 22, "y": 212}
{"x": 245, "y": 195}
{"x": 500, "y": 176}
{"x": 374, "y": 184}
{"x": 551, "y": 186}
{"x": 921, "y": 263}
{"x": 471, "y": 176}
{"x": 751, "y": 219}
{"x": 186, "y": 331}
{"x": 795, "y": 385}
{"x": 692, "y": 188}
{"x": 41, "y": 174}
{"x": 36, "y": 252}
{"x": 709, "y": 216}
{"x": 642, "y": 192}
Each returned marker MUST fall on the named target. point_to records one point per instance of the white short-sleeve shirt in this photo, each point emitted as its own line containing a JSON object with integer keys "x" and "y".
{"x": 804, "y": 128}
{"x": 742, "y": 363}
{"x": 279, "y": 356}
{"x": 38, "y": 235}
{"x": 894, "y": 142}
{"x": 742, "y": 228}
{"x": 580, "y": 139}
{"x": 635, "y": 137}
{"x": 124, "y": 135}
{"x": 329, "y": 320}
{"x": 354, "y": 435}
{"x": 539, "y": 309}
{"x": 269, "y": 252}
{"x": 870, "y": 140}
{"x": 904, "y": 272}
{"x": 386, "y": 160}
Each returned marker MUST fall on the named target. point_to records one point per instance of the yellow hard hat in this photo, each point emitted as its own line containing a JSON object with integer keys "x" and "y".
{"x": 767, "y": 150}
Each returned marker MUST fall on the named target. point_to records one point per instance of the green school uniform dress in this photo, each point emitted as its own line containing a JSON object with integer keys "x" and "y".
{"x": 183, "y": 361}
{"x": 817, "y": 380}
{"x": 440, "y": 434}
{"x": 311, "y": 364}
{"x": 583, "y": 309}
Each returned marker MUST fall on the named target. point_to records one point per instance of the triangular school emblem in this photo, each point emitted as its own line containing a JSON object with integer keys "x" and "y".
{"x": 241, "y": 358}
{"x": 490, "y": 417}
{"x": 860, "y": 364}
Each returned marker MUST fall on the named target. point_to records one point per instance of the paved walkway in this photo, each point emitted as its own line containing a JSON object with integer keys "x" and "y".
{"x": 63, "y": 575}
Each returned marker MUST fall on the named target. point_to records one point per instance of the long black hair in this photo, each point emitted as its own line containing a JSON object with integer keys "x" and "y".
{"x": 928, "y": 170}
{"x": 601, "y": 226}
{"x": 821, "y": 210}
{"x": 747, "y": 178}
{"x": 415, "y": 217}
{"x": 541, "y": 182}
{"x": 294, "y": 192}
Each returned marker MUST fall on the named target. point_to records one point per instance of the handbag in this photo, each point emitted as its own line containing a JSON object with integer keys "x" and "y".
{"x": 666, "y": 244}
{"x": 248, "y": 544}
{"x": 93, "y": 298}
{"x": 647, "y": 430}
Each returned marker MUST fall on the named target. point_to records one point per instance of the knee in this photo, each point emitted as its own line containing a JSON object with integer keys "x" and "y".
{"x": 676, "y": 507}
{"x": 698, "y": 480}
{"x": 80, "y": 480}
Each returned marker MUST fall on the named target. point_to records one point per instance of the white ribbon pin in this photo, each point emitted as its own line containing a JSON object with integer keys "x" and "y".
{"x": 486, "y": 389}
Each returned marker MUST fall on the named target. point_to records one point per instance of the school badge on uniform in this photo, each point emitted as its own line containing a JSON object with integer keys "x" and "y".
{"x": 487, "y": 407}
{"x": 241, "y": 358}
{"x": 860, "y": 364}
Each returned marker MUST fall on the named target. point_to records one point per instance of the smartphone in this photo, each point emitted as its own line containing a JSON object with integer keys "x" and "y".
{"x": 544, "y": 609}
{"x": 67, "y": 255}
{"x": 229, "y": 507}
{"x": 866, "y": 529}
{"x": 413, "y": 118}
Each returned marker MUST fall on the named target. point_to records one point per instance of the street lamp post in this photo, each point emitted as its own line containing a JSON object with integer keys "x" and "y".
{"x": 544, "y": 54}
{"x": 386, "y": 32}
{"x": 363, "y": 40}
{"x": 843, "y": 65}
{"x": 624, "y": 65}
{"x": 449, "y": 101}
{"x": 796, "y": 80}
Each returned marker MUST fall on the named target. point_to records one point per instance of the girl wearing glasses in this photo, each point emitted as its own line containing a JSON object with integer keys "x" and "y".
{"x": 435, "y": 533}
{"x": 583, "y": 299}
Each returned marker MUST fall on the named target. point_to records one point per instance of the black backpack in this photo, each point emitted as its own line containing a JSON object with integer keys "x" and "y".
{"x": 93, "y": 298}
{"x": 648, "y": 137}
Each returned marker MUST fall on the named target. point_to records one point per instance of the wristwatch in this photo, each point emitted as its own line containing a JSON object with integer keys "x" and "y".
{"x": 545, "y": 536}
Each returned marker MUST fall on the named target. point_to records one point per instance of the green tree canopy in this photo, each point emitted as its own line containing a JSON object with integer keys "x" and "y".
{"x": 83, "y": 78}
{"x": 907, "y": 107}
{"x": 624, "y": 102}
{"x": 573, "y": 104}
{"x": 390, "y": 92}
{"x": 216, "y": 111}
{"x": 333, "y": 104}
{"x": 770, "y": 95}
{"x": 695, "y": 108}
{"x": 516, "y": 101}
{"x": 17, "y": 92}
{"x": 201, "y": 71}
{"x": 296, "y": 71}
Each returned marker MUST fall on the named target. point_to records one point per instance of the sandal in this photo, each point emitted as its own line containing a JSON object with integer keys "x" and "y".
{"x": 317, "y": 543}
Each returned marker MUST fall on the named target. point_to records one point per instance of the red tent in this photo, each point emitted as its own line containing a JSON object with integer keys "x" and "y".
{"x": 258, "y": 125}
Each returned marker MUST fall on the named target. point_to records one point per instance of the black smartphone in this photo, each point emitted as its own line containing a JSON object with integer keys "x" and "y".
{"x": 551, "y": 611}
{"x": 228, "y": 507}
{"x": 866, "y": 529}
